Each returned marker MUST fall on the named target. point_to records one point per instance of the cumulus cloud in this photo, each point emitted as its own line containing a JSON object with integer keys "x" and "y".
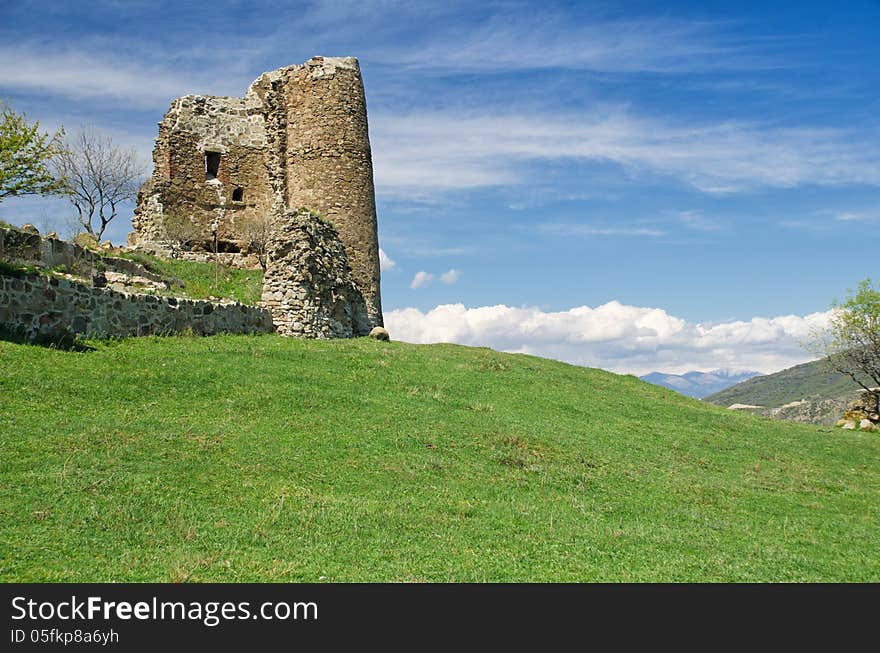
{"x": 385, "y": 261}
{"x": 450, "y": 276}
{"x": 421, "y": 279}
{"x": 614, "y": 336}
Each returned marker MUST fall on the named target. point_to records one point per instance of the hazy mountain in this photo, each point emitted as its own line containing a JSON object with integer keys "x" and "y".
{"x": 803, "y": 393}
{"x": 699, "y": 384}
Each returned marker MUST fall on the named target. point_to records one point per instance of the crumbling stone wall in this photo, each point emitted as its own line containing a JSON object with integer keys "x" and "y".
{"x": 182, "y": 189}
{"x": 20, "y": 247}
{"x": 38, "y": 306}
{"x": 299, "y": 138}
{"x": 308, "y": 286}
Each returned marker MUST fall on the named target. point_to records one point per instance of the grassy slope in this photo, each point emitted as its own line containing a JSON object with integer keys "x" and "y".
{"x": 237, "y": 458}
{"x": 245, "y": 286}
{"x": 807, "y": 381}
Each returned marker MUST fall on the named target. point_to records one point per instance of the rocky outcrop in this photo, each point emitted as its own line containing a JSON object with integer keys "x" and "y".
{"x": 308, "y": 287}
{"x": 863, "y": 412}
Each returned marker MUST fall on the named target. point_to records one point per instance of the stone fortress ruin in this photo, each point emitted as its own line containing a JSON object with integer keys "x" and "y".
{"x": 294, "y": 146}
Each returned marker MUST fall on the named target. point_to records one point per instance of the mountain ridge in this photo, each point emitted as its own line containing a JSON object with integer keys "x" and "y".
{"x": 699, "y": 384}
{"x": 809, "y": 392}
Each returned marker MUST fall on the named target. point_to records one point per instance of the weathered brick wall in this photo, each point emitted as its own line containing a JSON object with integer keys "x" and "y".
{"x": 46, "y": 306}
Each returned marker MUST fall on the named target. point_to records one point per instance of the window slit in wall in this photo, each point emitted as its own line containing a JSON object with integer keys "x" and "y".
{"x": 212, "y": 164}
{"x": 238, "y": 195}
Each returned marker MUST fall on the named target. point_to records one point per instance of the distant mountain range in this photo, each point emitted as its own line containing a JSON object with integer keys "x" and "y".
{"x": 804, "y": 393}
{"x": 699, "y": 384}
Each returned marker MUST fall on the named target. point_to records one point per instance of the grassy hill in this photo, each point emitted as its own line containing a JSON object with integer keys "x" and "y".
{"x": 810, "y": 381}
{"x": 237, "y": 458}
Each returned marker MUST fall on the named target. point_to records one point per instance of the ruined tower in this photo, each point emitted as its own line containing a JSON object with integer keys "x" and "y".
{"x": 297, "y": 139}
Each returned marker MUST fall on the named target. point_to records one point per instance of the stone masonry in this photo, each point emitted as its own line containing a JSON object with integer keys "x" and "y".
{"x": 308, "y": 286}
{"x": 297, "y": 139}
{"x": 38, "y": 306}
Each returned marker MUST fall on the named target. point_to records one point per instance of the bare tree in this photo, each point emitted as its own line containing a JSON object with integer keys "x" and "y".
{"x": 99, "y": 177}
{"x": 256, "y": 232}
{"x": 181, "y": 231}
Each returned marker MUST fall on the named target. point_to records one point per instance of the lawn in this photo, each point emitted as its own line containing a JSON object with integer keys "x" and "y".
{"x": 260, "y": 458}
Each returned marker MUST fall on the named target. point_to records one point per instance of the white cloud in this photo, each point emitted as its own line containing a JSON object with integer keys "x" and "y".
{"x": 136, "y": 74}
{"x": 614, "y": 336}
{"x": 79, "y": 75}
{"x": 385, "y": 261}
{"x": 421, "y": 279}
{"x": 417, "y": 154}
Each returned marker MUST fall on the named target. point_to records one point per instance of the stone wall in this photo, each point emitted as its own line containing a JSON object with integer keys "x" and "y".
{"x": 17, "y": 246}
{"x": 38, "y": 306}
{"x": 308, "y": 286}
{"x": 298, "y": 138}
{"x": 195, "y": 125}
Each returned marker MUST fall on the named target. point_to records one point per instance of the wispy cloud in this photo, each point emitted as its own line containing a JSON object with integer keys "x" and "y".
{"x": 441, "y": 151}
{"x": 827, "y": 220}
{"x": 529, "y": 41}
{"x": 575, "y": 229}
{"x": 697, "y": 221}
{"x": 450, "y": 276}
{"x": 857, "y": 216}
{"x": 75, "y": 74}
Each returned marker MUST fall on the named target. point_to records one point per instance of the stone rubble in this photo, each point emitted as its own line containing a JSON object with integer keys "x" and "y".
{"x": 308, "y": 287}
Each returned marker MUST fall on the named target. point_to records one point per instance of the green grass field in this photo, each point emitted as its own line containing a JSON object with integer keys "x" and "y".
{"x": 236, "y": 458}
{"x": 203, "y": 280}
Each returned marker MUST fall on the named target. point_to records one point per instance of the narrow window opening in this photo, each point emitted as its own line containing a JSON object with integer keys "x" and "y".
{"x": 212, "y": 164}
{"x": 238, "y": 195}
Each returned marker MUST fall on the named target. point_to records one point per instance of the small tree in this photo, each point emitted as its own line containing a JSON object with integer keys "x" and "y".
{"x": 98, "y": 178}
{"x": 256, "y": 233}
{"x": 25, "y": 157}
{"x": 851, "y": 342}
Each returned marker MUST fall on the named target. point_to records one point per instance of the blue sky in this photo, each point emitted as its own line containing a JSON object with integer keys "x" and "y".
{"x": 631, "y": 185}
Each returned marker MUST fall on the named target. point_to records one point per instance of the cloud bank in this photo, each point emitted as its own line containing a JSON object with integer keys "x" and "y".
{"x": 614, "y": 336}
